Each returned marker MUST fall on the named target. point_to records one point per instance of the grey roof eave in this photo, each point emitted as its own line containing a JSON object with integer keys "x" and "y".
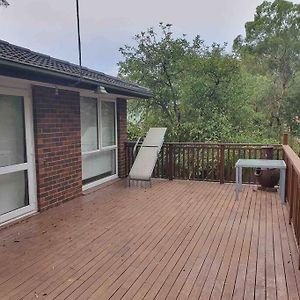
{"x": 76, "y": 79}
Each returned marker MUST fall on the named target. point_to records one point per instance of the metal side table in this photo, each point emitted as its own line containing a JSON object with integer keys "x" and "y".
{"x": 263, "y": 164}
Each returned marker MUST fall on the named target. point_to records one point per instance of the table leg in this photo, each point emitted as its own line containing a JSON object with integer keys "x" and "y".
{"x": 240, "y": 179}
{"x": 237, "y": 182}
{"x": 282, "y": 185}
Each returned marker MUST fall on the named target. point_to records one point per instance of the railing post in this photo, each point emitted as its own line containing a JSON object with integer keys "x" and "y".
{"x": 222, "y": 163}
{"x": 170, "y": 162}
{"x": 285, "y": 138}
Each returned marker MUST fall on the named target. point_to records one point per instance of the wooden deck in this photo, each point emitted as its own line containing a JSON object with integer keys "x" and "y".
{"x": 176, "y": 240}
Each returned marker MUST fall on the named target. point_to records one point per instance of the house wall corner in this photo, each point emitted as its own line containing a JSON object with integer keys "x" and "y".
{"x": 56, "y": 115}
{"x": 122, "y": 135}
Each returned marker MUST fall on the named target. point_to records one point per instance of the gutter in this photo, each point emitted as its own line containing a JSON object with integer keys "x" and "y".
{"x": 75, "y": 78}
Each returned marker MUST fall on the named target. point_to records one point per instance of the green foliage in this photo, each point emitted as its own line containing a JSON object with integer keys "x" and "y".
{"x": 159, "y": 63}
{"x": 197, "y": 88}
{"x": 291, "y": 109}
{"x": 272, "y": 47}
{"x": 202, "y": 93}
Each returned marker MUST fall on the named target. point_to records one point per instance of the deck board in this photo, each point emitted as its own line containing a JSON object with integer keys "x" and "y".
{"x": 176, "y": 240}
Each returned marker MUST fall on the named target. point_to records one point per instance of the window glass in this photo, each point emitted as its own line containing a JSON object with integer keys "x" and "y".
{"x": 13, "y": 191}
{"x": 108, "y": 123}
{"x": 12, "y": 132}
{"x": 89, "y": 124}
{"x": 98, "y": 165}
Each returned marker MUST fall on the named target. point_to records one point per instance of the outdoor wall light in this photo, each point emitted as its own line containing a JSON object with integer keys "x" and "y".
{"x": 101, "y": 90}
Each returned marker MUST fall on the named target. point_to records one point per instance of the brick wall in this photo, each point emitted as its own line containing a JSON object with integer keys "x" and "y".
{"x": 122, "y": 135}
{"x": 57, "y": 145}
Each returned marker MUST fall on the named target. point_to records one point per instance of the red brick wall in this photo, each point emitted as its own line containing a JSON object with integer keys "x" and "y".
{"x": 122, "y": 135}
{"x": 57, "y": 145}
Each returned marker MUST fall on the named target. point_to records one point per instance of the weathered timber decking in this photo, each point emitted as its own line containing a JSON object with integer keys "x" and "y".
{"x": 176, "y": 240}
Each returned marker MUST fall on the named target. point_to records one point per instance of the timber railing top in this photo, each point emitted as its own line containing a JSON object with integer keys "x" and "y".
{"x": 203, "y": 161}
{"x": 292, "y": 158}
{"x": 216, "y": 144}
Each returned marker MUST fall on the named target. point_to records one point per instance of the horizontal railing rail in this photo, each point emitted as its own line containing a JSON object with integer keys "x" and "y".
{"x": 203, "y": 161}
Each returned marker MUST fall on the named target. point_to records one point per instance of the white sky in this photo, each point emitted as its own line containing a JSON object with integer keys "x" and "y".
{"x": 49, "y": 26}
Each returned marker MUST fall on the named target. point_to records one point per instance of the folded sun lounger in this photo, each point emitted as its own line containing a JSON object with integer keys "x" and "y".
{"x": 146, "y": 158}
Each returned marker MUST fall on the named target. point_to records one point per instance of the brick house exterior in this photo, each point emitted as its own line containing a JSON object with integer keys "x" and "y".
{"x": 122, "y": 135}
{"x": 51, "y": 93}
{"x": 57, "y": 145}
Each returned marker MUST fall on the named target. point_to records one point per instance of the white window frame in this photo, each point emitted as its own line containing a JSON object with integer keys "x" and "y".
{"x": 102, "y": 149}
{"x": 115, "y": 146}
{"x": 28, "y": 166}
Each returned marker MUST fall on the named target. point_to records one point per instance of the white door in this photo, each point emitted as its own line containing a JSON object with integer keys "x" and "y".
{"x": 17, "y": 175}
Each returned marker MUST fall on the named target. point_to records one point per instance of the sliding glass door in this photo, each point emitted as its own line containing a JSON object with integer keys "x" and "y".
{"x": 17, "y": 193}
{"x": 98, "y": 140}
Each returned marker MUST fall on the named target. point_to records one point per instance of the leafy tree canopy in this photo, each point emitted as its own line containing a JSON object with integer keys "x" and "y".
{"x": 203, "y": 93}
{"x": 271, "y": 46}
{"x": 159, "y": 62}
{"x": 199, "y": 91}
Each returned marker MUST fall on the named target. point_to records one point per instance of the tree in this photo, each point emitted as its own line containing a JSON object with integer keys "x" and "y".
{"x": 208, "y": 95}
{"x": 158, "y": 62}
{"x": 272, "y": 47}
{"x": 194, "y": 86}
{"x": 201, "y": 93}
{"x": 291, "y": 110}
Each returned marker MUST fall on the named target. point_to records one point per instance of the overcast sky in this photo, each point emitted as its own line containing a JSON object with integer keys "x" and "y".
{"x": 50, "y": 26}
